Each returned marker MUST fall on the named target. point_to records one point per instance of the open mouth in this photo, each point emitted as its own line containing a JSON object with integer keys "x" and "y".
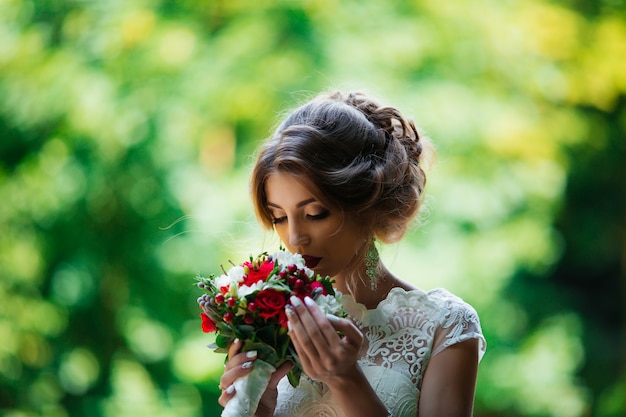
{"x": 311, "y": 261}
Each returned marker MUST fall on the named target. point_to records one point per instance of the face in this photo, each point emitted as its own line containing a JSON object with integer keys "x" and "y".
{"x": 329, "y": 241}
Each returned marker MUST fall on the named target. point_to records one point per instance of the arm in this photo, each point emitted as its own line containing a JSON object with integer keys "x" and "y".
{"x": 331, "y": 359}
{"x": 450, "y": 380}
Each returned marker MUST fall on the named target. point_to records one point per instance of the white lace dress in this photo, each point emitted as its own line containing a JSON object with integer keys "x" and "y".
{"x": 401, "y": 335}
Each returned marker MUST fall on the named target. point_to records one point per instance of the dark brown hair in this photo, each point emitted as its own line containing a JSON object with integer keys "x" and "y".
{"x": 364, "y": 158}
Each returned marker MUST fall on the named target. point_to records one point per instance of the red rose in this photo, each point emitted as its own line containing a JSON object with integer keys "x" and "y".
{"x": 282, "y": 319}
{"x": 257, "y": 272}
{"x": 207, "y": 324}
{"x": 270, "y": 302}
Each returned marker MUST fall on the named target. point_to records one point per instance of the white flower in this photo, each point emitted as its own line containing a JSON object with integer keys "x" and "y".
{"x": 237, "y": 273}
{"x": 245, "y": 290}
{"x": 223, "y": 281}
{"x": 286, "y": 258}
{"x": 329, "y": 304}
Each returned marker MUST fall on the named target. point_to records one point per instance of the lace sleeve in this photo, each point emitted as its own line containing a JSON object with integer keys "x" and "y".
{"x": 459, "y": 322}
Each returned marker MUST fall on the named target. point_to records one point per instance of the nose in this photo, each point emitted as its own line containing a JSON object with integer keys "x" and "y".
{"x": 298, "y": 235}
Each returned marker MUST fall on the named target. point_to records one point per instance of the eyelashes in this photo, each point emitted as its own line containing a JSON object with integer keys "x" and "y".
{"x": 320, "y": 216}
{"x": 313, "y": 217}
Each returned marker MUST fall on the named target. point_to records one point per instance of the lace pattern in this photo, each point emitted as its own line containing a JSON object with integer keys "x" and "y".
{"x": 401, "y": 336}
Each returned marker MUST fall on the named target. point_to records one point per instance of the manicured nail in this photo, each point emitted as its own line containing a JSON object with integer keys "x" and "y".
{"x": 295, "y": 301}
{"x": 289, "y": 310}
{"x": 230, "y": 389}
{"x": 289, "y": 325}
{"x": 251, "y": 354}
{"x": 247, "y": 365}
{"x": 332, "y": 318}
{"x": 309, "y": 301}
{"x": 316, "y": 292}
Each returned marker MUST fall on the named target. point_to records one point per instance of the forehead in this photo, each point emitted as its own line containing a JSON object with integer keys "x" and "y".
{"x": 281, "y": 186}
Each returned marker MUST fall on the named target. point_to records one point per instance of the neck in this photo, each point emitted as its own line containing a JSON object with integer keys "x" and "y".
{"x": 358, "y": 285}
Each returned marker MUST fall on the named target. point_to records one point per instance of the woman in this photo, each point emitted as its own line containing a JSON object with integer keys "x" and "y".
{"x": 340, "y": 173}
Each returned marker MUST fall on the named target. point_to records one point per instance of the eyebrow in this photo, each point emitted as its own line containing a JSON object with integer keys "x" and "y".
{"x": 300, "y": 204}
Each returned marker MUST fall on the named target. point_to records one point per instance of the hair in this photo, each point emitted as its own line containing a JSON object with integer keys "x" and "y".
{"x": 364, "y": 158}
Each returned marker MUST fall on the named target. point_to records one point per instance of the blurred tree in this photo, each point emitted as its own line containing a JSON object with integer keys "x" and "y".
{"x": 126, "y": 131}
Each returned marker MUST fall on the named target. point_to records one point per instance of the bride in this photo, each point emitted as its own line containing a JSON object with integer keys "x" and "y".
{"x": 340, "y": 174}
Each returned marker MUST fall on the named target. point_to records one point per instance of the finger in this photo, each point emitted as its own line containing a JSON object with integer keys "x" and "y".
{"x": 238, "y": 367}
{"x": 226, "y": 395}
{"x": 302, "y": 353}
{"x": 280, "y": 372}
{"x": 306, "y": 331}
{"x": 300, "y": 321}
{"x": 352, "y": 334}
{"x": 316, "y": 322}
{"x": 322, "y": 320}
{"x": 234, "y": 348}
{"x": 294, "y": 324}
{"x": 239, "y": 359}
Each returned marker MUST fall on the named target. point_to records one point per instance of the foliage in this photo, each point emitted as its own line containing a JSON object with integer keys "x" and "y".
{"x": 121, "y": 121}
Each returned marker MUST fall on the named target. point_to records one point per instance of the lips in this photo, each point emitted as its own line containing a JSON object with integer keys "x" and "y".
{"x": 311, "y": 261}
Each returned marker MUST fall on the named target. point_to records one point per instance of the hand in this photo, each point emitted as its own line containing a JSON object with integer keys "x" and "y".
{"x": 325, "y": 356}
{"x": 239, "y": 365}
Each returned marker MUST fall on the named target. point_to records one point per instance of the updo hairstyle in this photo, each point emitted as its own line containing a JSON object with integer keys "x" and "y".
{"x": 364, "y": 158}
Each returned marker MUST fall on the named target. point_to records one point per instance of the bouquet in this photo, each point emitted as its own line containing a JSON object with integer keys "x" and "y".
{"x": 248, "y": 303}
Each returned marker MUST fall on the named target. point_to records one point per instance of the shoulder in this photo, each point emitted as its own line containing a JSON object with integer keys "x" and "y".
{"x": 435, "y": 307}
{"x": 458, "y": 321}
{"x": 452, "y": 305}
{"x": 454, "y": 320}
{"x": 440, "y": 303}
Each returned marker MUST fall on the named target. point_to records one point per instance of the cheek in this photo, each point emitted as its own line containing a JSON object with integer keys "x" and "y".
{"x": 280, "y": 234}
{"x": 346, "y": 243}
{"x": 283, "y": 235}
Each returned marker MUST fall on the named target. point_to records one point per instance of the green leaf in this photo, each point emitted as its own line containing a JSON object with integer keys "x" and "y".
{"x": 244, "y": 331}
{"x": 267, "y": 334}
{"x": 294, "y": 376}
{"x": 264, "y": 352}
{"x": 223, "y": 341}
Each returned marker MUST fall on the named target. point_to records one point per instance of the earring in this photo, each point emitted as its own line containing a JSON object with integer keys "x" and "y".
{"x": 372, "y": 258}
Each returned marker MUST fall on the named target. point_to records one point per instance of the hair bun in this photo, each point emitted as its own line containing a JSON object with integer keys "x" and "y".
{"x": 361, "y": 156}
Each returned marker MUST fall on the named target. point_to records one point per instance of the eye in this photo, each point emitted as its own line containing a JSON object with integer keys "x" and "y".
{"x": 278, "y": 220}
{"x": 321, "y": 216}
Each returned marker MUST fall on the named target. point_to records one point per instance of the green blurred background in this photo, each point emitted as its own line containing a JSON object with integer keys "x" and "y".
{"x": 127, "y": 129}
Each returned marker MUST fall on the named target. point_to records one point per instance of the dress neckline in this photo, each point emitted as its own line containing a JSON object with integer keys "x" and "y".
{"x": 360, "y": 312}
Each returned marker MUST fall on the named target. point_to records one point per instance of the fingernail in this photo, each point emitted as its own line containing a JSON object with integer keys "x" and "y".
{"x": 289, "y": 325}
{"x": 247, "y": 365}
{"x": 230, "y": 389}
{"x": 289, "y": 310}
{"x": 331, "y": 317}
{"x": 309, "y": 301}
{"x": 251, "y": 354}
{"x": 295, "y": 301}
{"x": 316, "y": 292}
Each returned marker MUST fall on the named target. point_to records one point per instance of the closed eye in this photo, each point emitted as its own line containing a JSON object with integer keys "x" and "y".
{"x": 278, "y": 220}
{"x": 320, "y": 216}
